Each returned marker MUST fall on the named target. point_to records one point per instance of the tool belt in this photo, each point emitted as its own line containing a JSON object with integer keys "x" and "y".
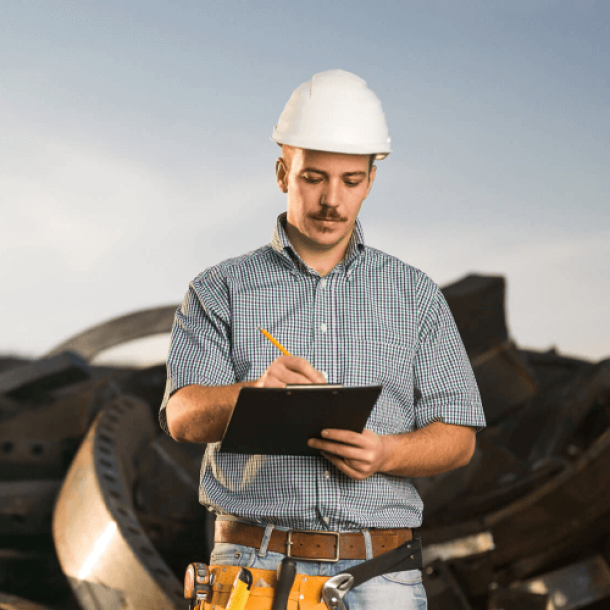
{"x": 305, "y": 593}
{"x": 312, "y": 545}
{"x": 309, "y": 592}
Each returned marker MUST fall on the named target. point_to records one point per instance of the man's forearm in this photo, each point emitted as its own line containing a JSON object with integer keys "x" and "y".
{"x": 428, "y": 451}
{"x": 199, "y": 414}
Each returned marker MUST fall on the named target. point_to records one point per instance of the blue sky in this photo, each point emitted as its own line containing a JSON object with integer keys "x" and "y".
{"x": 135, "y": 151}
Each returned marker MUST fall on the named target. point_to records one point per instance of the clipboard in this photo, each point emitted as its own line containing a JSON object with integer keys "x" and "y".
{"x": 279, "y": 421}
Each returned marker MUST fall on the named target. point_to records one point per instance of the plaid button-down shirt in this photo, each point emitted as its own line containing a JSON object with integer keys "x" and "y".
{"x": 372, "y": 320}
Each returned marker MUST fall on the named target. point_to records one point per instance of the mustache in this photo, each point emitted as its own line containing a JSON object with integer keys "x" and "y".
{"x": 331, "y": 215}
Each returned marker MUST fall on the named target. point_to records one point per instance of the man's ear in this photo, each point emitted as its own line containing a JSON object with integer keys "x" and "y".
{"x": 281, "y": 175}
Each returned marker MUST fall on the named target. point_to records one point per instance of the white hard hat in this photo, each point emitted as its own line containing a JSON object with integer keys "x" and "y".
{"x": 336, "y": 112}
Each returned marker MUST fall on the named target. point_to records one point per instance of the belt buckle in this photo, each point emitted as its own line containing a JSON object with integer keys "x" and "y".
{"x": 332, "y": 560}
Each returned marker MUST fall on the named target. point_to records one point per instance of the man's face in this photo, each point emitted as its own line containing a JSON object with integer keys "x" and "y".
{"x": 325, "y": 192}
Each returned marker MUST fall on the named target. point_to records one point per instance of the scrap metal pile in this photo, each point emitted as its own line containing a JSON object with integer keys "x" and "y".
{"x": 99, "y": 510}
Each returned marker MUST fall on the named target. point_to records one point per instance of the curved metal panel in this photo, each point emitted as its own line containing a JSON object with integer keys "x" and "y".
{"x": 119, "y": 330}
{"x": 102, "y": 548}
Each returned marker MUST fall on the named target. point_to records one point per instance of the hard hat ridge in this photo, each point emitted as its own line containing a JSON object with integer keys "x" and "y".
{"x": 335, "y": 111}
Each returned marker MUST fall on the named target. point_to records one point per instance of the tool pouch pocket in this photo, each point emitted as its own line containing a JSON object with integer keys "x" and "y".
{"x": 306, "y": 592}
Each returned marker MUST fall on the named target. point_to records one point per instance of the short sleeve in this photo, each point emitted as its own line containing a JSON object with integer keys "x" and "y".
{"x": 445, "y": 386}
{"x": 200, "y": 345}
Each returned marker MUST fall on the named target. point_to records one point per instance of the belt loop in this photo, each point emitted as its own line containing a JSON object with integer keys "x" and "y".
{"x": 262, "y": 551}
{"x": 368, "y": 544}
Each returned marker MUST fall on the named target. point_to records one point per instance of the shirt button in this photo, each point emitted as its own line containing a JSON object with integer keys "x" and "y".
{"x": 323, "y": 327}
{"x": 325, "y": 519}
{"x": 323, "y": 283}
{"x": 327, "y": 475}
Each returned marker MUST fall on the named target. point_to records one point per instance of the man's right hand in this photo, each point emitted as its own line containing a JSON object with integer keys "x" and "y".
{"x": 289, "y": 370}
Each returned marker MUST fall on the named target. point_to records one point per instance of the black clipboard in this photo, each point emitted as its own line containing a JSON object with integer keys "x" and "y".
{"x": 279, "y": 421}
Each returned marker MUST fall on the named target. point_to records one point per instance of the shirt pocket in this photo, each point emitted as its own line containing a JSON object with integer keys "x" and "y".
{"x": 391, "y": 366}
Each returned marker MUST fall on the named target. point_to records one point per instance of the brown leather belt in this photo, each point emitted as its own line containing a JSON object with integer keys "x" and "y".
{"x": 312, "y": 546}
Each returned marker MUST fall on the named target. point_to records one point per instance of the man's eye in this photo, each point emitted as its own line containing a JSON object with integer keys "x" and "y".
{"x": 352, "y": 183}
{"x": 312, "y": 180}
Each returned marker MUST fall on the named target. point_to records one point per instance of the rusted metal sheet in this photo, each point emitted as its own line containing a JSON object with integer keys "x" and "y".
{"x": 477, "y": 305}
{"x": 40, "y": 442}
{"x": 492, "y": 475}
{"x": 519, "y": 432}
{"x": 26, "y": 507}
{"x": 101, "y": 545}
{"x": 9, "y": 407}
{"x": 167, "y": 483}
{"x": 35, "y": 573}
{"x": 582, "y": 397}
{"x": 442, "y": 589}
{"x": 11, "y": 362}
{"x": 119, "y": 330}
{"x": 574, "y": 586}
{"x": 459, "y": 547}
{"x": 502, "y": 598}
{"x": 505, "y": 380}
{"x": 40, "y": 376}
{"x": 503, "y": 375}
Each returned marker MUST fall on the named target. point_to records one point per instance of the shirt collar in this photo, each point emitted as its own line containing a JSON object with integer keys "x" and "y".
{"x": 281, "y": 244}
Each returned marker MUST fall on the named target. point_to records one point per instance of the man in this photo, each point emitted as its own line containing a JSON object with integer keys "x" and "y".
{"x": 354, "y": 316}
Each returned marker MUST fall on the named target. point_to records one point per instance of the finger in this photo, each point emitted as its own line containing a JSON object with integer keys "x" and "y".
{"x": 344, "y": 436}
{"x": 339, "y": 449}
{"x": 289, "y": 377}
{"x": 302, "y": 366}
{"x": 343, "y": 467}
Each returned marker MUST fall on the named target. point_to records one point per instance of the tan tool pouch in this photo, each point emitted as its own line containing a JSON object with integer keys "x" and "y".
{"x": 306, "y": 592}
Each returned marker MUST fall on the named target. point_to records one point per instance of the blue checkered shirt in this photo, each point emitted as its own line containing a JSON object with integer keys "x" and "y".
{"x": 372, "y": 320}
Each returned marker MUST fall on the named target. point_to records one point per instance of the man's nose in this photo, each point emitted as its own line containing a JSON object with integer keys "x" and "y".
{"x": 331, "y": 195}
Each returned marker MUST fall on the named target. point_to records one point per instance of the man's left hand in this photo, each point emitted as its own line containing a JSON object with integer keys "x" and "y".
{"x": 357, "y": 455}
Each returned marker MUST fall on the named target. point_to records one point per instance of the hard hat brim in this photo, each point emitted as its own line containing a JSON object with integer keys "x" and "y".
{"x": 343, "y": 148}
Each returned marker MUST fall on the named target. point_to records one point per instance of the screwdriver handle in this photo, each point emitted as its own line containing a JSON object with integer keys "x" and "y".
{"x": 286, "y": 572}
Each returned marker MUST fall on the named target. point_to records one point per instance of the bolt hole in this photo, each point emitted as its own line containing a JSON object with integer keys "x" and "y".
{"x": 37, "y": 449}
{"x": 7, "y": 447}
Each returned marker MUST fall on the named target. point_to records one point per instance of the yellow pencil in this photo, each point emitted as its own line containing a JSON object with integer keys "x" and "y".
{"x": 275, "y": 342}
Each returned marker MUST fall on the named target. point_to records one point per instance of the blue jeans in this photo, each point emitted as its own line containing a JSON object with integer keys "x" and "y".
{"x": 400, "y": 590}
